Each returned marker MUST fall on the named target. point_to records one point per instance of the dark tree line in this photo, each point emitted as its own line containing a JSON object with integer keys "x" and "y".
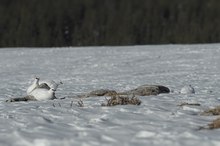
{"x": 46, "y": 23}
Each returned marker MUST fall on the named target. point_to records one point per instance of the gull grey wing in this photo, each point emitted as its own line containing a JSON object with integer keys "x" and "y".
{"x": 45, "y": 86}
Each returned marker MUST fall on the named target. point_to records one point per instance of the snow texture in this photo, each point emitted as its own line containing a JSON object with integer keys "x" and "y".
{"x": 157, "y": 121}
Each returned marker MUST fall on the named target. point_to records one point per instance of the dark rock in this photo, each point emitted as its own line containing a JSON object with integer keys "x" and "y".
{"x": 163, "y": 89}
{"x": 146, "y": 90}
{"x": 102, "y": 92}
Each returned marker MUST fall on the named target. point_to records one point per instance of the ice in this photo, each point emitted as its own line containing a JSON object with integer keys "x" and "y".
{"x": 157, "y": 121}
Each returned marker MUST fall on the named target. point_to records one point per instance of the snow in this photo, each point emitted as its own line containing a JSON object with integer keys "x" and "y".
{"x": 157, "y": 121}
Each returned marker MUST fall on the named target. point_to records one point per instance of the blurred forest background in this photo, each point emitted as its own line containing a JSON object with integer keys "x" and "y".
{"x": 50, "y": 23}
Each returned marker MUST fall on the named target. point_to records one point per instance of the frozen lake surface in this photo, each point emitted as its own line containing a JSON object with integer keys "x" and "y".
{"x": 157, "y": 121}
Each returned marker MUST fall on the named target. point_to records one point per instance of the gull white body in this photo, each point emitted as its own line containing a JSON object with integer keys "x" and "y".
{"x": 43, "y": 94}
{"x": 33, "y": 86}
{"x": 187, "y": 90}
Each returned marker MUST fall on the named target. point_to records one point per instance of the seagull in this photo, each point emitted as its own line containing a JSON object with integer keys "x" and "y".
{"x": 43, "y": 94}
{"x": 187, "y": 90}
{"x": 43, "y": 90}
{"x": 33, "y": 86}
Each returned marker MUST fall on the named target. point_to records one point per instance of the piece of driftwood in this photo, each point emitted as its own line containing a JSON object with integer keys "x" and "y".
{"x": 189, "y": 104}
{"x": 215, "y": 124}
{"x": 26, "y": 98}
{"x": 212, "y": 112}
{"x": 80, "y": 103}
{"x": 122, "y": 100}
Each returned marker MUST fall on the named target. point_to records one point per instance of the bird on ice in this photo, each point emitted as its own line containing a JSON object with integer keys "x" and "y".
{"x": 43, "y": 90}
{"x": 187, "y": 90}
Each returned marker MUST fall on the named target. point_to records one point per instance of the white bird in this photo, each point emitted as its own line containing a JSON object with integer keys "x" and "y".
{"x": 43, "y": 90}
{"x": 187, "y": 90}
{"x": 33, "y": 86}
{"x": 43, "y": 94}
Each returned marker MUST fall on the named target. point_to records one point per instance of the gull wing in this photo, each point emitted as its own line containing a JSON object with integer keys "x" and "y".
{"x": 44, "y": 85}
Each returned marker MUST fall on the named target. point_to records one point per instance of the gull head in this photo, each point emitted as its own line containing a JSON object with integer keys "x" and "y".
{"x": 36, "y": 80}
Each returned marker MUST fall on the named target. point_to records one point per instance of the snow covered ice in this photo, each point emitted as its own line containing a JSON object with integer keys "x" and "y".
{"x": 157, "y": 121}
